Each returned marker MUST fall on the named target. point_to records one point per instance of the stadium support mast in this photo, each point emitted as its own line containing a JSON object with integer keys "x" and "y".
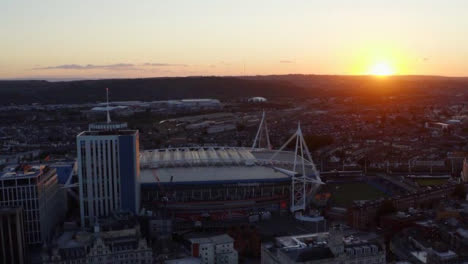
{"x": 262, "y": 129}
{"x": 107, "y": 106}
{"x": 304, "y": 176}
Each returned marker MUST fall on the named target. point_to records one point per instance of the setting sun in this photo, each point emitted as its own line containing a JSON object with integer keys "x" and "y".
{"x": 381, "y": 69}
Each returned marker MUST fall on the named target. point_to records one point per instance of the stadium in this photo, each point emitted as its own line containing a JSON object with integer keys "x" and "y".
{"x": 228, "y": 182}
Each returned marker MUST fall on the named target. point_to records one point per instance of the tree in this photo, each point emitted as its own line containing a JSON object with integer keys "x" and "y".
{"x": 362, "y": 162}
{"x": 315, "y": 142}
{"x": 459, "y": 192}
{"x": 385, "y": 208}
{"x": 240, "y": 127}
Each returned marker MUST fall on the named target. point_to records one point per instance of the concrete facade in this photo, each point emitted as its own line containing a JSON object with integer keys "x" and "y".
{"x": 108, "y": 173}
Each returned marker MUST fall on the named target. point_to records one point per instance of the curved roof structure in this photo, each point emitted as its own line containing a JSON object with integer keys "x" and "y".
{"x": 212, "y": 156}
{"x": 204, "y": 165}
{"x": 257, "y": 99}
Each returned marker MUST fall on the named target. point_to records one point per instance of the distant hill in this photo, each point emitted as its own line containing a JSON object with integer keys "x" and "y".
{"x": 270, "y": 86}
{"x": 359, "y": 85}
{"x": 26, "y": 92}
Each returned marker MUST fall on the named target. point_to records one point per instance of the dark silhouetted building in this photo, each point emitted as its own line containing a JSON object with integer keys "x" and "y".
{"x": 12, "y": 240}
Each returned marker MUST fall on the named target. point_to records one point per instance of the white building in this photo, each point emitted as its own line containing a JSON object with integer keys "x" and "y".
{"x": 186, "y": 105}
{"x": 36, "y": 190}
{"x": 257, "y": 99}
{"x": 201, "y": 103}
{"x": 322, "y": 248}
{"x": 108, "y": 171}
{"x": 214, "y": 250}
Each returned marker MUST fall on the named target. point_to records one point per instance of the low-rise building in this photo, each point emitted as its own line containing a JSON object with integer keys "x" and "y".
{"x": 327, "y": 247}
{"x": 118, "y": 240}
{"x": 215, "y": 249}
{"x": 362, "y": 215}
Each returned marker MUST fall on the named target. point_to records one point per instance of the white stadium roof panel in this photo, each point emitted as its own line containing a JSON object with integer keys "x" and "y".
{"x": 211, "y": 174}
{"x": 201, "y": 156}
{"x": 214, "y": 164}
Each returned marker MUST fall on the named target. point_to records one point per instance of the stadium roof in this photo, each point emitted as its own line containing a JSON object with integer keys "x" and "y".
{"x": 205, "y": 165}
{"x": 213, "y": 156}
{"x": 211, "y": 175}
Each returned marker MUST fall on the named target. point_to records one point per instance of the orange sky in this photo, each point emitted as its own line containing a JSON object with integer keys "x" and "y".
{"x": 100, "y": 39}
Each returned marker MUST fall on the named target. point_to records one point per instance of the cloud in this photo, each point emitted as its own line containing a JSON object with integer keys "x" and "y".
{"x": 117, "y": 66}
{"x": 164, "y": 64}
{"x": 286, "y": 61}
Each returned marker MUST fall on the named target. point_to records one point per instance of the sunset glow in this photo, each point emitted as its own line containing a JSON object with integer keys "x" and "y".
{"x": 193, "y": 38}
{"x": 382, "y": 69}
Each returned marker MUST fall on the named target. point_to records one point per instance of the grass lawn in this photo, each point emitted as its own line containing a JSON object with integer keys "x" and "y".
{"x": 344, "y": 194}
{"x": 429, "y": 182}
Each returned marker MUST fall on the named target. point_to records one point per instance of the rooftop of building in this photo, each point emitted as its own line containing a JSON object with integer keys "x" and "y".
{"x": 23, "y": 171}
{"x": 108, "y": 133}
{"x": 118, "y": 221}
{"x": 64, "y": 170}
{"x": 200, "y": 100}
{"x": 114, "y": 231}
{"x": 351, "y": 238}
{"x": 186, "y": 260}
{"x": 310, "y": 254}
{"x": 315, "y": 246}
{"x": 107, "y": 126}
{"x": 74, "y": 245}
{"x": 216, "y": 239}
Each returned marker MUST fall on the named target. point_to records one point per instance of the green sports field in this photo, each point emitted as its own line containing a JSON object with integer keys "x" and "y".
{"x": 343, "y": 194}
{"x": 430, "y": 182}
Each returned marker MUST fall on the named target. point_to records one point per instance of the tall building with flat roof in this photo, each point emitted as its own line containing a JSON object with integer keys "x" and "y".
{"x": 36, "y": 190}
{"x": 108, "y": 171}
{"x": 12, "y": 240}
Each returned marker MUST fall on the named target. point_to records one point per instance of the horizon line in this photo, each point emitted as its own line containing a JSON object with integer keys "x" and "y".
{"x": 71, "y": 79}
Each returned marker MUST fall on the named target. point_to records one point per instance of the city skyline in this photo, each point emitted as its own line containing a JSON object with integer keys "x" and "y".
{"x": 118, "y": 39}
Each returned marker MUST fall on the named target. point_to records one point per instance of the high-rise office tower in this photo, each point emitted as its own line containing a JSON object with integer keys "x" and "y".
{"x": 108, "y": 170}
{"x": 36, "y": 190}
{"x": 12, "y": 241}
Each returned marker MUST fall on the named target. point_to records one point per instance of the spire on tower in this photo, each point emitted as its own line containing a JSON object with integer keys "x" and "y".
{"x": 107, "y": 106}
{"x": 108, "y": 125}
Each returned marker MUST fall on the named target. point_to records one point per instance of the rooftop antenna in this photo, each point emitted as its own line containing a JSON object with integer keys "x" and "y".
{"x": 262, "y": 129}
{"x": 107, "y": 107}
